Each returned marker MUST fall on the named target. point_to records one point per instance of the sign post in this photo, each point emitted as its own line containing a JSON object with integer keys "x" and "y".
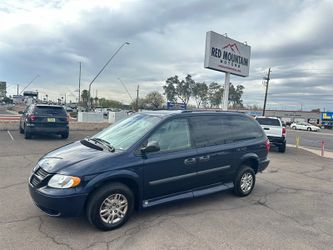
{"x": 226, "y": 91}
{"x": 226, "y": 55}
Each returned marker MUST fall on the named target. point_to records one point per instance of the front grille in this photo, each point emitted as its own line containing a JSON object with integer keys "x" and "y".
{"x": 38, "y": 177}
{"x": 41, "y": 172}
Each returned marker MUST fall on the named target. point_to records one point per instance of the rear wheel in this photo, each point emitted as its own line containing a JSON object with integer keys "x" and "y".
{"x": 110, "y": 206}
{"x": 65, "y": 135}
{"x": 27, "y": 134}
{"x": 294, "y": 127}
{"x": 244, "y": 181}
{"x": 282, "y": 148}
{"x": 308, "y": 129}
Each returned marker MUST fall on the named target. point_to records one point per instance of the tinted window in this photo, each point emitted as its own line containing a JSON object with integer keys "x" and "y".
{"x": 173, "y": 135}
{"x": 45, "y": 110}
{"x": 238, "y": 128}
{"x": 207, "y": 130}
{"x": 216, "y": 130}
{"x": 268, "y": 121}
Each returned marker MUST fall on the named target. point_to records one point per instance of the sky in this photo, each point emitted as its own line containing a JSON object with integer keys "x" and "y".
{"x": 44, "y": 41}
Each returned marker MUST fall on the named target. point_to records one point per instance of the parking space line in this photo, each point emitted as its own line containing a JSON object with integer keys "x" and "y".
{"x": 10, "y": 135}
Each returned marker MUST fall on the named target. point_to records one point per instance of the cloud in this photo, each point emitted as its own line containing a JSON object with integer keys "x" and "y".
{"x": 167, "y": 38}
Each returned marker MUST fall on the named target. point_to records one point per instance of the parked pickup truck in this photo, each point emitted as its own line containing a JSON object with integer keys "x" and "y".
{"x": 274, "y": 130}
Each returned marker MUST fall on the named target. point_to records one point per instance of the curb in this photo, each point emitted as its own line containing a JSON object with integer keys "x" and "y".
{"x": 327, "y": 154}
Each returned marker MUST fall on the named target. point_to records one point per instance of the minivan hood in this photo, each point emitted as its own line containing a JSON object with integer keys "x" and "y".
{"x": 69, "y": 155}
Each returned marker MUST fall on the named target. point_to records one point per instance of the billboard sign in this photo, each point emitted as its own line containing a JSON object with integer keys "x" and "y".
{"x": 177, "y": 106}
{"x": 227, "y": 55}
{"x": 327, "y": 116}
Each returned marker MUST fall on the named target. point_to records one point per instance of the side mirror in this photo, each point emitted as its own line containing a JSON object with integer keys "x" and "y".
{"x": 151, "y": 147}
{"x": 20, "y": 112}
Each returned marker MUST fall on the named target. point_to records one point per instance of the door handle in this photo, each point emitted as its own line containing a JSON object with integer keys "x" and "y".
{"x": 204, "y": 158}
{"x": 189, "y": 161}
{"x": 266, "y": 129}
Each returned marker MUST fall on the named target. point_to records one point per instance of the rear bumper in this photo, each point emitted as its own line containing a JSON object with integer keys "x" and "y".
{"x": 277, "y": 140}
{"x": 31, "y": 128}
{"x": 263, "y": 165}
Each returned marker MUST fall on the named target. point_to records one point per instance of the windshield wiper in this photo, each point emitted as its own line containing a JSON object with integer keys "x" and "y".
{"x": 104, "y": 143}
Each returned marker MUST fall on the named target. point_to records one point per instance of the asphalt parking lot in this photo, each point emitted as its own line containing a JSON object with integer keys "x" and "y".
{"x": 290, "y": 208}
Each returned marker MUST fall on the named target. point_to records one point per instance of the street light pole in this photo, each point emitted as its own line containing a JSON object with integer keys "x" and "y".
{"x": 114, "y": 54}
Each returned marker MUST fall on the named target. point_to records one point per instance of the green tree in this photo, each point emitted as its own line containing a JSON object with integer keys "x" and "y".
{"x": 235, "y": 95}
{"x": 154, "y": 100}
{"x": 200, "y": 93}
{"x": 215, "y": 93}
{"x": 105, "y": 103}
{"x": 170, "y": 89}
{"x": 184, "y": 89}
{"x": 141, "y": 104}
{"x": 85, "y": 97}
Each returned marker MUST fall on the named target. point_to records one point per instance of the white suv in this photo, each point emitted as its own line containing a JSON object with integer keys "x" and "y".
{"x": 274, "y": 130}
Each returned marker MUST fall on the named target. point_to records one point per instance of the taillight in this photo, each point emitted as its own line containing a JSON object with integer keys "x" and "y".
{"x": 284, "y": 132}
{"x": 268, "y": 145}
{"x": 32, "y": 118}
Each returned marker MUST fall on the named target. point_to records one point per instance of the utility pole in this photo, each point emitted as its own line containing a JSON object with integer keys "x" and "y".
{"x": 267, "y": 82}
{"x": 79, "y": 84}
{"x": 137, "y": 99}
{"x": 18, "y": 89}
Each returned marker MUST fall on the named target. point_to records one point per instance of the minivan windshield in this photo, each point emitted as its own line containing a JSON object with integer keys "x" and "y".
{"x": 124, "y": 134}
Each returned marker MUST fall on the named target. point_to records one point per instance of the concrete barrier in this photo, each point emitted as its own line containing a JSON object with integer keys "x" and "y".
{"x": 73, "y": 126}
{"x": 116, "y": 116}
{"x": 91, "y": 117}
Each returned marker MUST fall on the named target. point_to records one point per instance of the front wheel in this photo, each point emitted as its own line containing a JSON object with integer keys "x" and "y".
{"x": 21, "y": 129}
{"x": 244, "y": 181}
{"x": 308, "y": 129}
{"x": 294, "y": 128}
{"x": 110, "y": 206}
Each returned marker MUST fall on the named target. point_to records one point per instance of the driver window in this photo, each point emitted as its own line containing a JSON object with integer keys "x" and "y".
{"x": 173, "y": 135}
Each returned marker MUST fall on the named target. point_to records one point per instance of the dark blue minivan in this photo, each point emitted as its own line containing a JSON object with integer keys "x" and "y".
{"x": 148, "y": 159}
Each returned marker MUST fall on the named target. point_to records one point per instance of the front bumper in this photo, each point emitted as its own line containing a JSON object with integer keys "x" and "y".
{"x": 263, "y": 165}
{"x": 58, "y": 202}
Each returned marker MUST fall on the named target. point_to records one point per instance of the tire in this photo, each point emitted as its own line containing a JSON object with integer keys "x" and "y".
{"x": 21, "y": 129}
{"x": 118, "y": 193}
{"x": 64, "y": 135}
{"x": 309, "y": 129}
{"x": 245, "y": 175}
{"x": 294, "y": 128}
{"x": 282, "y": 148}
{"x": 27, "y": 135}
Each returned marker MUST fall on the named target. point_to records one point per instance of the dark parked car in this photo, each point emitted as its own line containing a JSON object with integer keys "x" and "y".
{"x": 150, "y": 159}
{"x": 44, "y": 119}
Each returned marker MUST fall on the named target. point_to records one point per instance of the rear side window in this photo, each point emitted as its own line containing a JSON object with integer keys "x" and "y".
{"x": 268, "y": 121}
{"x": 239, "y": 128}
{"x": 217, "y": 130}
{"x": 45, "y": 110}
{"x": 207, "y": 131}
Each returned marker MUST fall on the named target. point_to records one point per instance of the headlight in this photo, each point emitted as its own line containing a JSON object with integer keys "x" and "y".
{"x": 63, "y": 181}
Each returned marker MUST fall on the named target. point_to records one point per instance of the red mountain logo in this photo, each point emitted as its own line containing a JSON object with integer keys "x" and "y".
{"x": 232, "y": 47}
